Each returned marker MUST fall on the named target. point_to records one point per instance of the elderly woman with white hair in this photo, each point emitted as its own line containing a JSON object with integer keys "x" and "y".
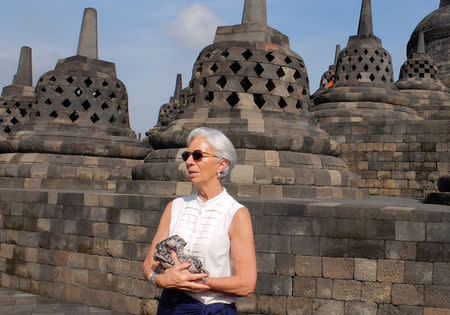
{"x": 217, "y": 230}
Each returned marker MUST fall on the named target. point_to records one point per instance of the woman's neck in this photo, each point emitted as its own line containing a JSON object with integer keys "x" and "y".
{"x": 210, "y": 190}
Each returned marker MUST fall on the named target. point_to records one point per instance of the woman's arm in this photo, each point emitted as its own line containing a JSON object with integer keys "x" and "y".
{"x": 243, "y": 282}
{"x": 176, "y": 277}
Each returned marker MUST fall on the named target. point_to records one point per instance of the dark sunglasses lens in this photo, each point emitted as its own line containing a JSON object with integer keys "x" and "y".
{"x": 197, "y": 155}
{"x": 185, "y": 155}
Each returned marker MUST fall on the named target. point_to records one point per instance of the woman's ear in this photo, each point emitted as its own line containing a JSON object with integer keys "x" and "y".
{"x": 223, "y": 163}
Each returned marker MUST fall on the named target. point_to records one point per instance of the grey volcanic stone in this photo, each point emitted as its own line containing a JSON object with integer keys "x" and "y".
{"x": 251, "y": 86}
{"x": 17, "y": 99}
{"x": 24, "y": 74}
{"x": 88, "y": 43}
{"x": 363, "y": 84}
{"x": 255, "y": 11}
{"x": 80, "y": 108}
{"x": 176, "y": 243}
{"x": 436, "y": 27}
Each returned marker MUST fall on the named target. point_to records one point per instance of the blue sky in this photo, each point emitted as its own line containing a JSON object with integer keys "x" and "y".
{"x": 151, "y": 41}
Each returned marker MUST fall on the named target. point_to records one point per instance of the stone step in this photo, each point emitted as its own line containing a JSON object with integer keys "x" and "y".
{"x": 13, "y": 302}
{"x": 243, "y": 190}
{"x": 65, "y": 184}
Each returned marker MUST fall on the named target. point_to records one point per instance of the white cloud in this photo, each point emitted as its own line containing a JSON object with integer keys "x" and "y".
{"x": 194, "y": 26}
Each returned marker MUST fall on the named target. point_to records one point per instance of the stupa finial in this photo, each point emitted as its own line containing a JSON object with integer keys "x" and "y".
{"x": 24, "y": 74}
{"x": 255, "y": 11}
{"x": 88, "y": 43}
{"x": 336, "y": 54}
{"x": 178, "y": 86}
{"x": 365, "y": 19}
{"x": 421, "y": 43}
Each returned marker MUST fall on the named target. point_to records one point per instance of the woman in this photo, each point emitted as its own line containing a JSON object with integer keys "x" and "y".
{"x": 216, "y": 228}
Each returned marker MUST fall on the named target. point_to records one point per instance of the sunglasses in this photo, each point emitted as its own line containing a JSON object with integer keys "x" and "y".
{"x": 197, "y": 155}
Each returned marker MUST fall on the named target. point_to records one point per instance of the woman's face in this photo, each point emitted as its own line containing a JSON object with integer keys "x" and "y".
{"x": 205, "y": 170}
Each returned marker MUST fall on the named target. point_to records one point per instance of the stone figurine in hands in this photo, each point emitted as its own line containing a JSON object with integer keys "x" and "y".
{"x": 176, "y": 243}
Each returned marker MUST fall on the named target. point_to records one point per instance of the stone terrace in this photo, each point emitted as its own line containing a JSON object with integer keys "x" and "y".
{"x": 383, "y": 255}
{"x": 16, "y": 302}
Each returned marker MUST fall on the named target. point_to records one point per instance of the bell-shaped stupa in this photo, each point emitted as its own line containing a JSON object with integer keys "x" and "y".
{"x": 420, "y": 79}
{"x": 436, "y": 29}
{"x": 249, "y": 83}
{"x": 80, "y": 107}
{"x": 254, "y": 88}
{"x": 17, "y": 99}
{"x": 176, "y": 104}
{"x": 327, "y": 79}
{"x": 363, "y": 88}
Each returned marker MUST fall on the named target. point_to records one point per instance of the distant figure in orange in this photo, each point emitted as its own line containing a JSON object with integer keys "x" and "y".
{"x": 330, "y": 84}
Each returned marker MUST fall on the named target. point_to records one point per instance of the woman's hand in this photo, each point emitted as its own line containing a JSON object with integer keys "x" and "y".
{"x": 178, "y": 277}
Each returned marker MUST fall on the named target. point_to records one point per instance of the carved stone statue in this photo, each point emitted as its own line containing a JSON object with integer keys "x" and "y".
{"x": 177, "y": 244}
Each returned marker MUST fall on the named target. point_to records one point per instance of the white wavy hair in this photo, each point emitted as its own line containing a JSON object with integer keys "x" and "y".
{"x": 220, "y": 143}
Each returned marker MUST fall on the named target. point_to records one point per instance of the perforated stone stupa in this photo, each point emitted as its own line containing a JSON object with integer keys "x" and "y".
{"x": 176, "y": 104}
{"x": 77, "y": 134}
{"x": 81, "y": 107}
{"x": 327, "y": 79}
{"x": 250, "y": 85}
{"x": 436, "y": 29}
{"x": 17, "y": 99}
{"x": 420, "y": 78}
{"x": 363, "y": 87}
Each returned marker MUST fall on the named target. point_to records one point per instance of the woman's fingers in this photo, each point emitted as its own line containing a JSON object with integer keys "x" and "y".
{"x": 198, "y": 276}
{"x": 195, "y": 286}
{"x": 179, "y": 277}
{"x": 177, "y": 264}
{"x": 176, "y": 261}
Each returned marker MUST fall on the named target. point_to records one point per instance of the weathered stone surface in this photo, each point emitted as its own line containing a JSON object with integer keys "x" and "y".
{"x": 437, "y": 296}
{"x": 441, "y": 273}
{"x": 247, "y": 305}
{"x": 272, "y": 304}
{"x": 376, "y": 292}
{"x": 324, "y": 288}
{"x": 299, "y": 305}
{"x": 337, "y": 268}
{"x": 407, "y": 294}
{"x": 365, "y": 269}
{"x": 390, "y": 271}
{"x": 285, "y": 264}
{"x": 88, "y": 43}
{"x": 347, "y": 290}
{"x": 429, "y": 251}
{"x": 326, "y": 307}
{"x": 435, "y": 311}
{"x": 439, "y": 232}
{"x": 305, "y": 245}
{"x": 307, "y": 266}
{"x": 418, "y": 272}
{"x": 305, "y": 287}
{"x": 409, "y": 231}
{"x": 360, "y": 308}
{"x": 176, "y": 243}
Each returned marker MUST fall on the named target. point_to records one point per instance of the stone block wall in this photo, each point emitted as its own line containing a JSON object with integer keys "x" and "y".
{"x": 81, "y": 247}
{"x": 395, "y": 158}
{"x": 314, "y": 257}
{"x": 71, "y": 172}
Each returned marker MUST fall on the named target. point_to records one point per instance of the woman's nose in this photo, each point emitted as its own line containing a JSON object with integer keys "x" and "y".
{"x": 190, "y": 160}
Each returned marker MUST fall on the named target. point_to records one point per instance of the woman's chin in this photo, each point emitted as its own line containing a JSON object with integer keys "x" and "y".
{"x": 193, "y": 177}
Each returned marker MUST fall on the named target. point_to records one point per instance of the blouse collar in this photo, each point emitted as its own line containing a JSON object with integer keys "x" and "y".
{"x": 212, "y": 200}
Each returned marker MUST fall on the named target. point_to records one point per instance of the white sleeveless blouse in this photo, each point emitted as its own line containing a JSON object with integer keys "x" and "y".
{"x": 204, "y": 226}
